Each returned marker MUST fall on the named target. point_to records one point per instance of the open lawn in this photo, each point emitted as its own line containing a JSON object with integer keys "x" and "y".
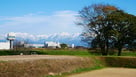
{"x": 73, "y": 52}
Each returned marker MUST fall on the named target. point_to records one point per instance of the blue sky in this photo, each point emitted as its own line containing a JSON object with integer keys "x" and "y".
{"x": 49, "y": 16}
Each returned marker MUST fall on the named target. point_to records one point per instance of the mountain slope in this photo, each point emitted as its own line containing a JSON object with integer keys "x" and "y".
{"x": 63, "y": 37}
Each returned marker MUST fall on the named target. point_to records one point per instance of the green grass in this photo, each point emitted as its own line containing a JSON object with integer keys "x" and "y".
{"x": 5, "y": 52}
{"x": 74, "y": 52}
{"x": 15, "y": 52}
{"x": 64, "y": 52}
{"x": 129, "y": 53}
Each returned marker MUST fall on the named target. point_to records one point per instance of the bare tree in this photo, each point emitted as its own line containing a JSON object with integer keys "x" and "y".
{"x": 19, "y": 46}
{"x": 93, "y": 20}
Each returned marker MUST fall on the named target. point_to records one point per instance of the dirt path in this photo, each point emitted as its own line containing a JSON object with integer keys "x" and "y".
{"x": 33, "y": 57}
{"x": 109, "y": 72}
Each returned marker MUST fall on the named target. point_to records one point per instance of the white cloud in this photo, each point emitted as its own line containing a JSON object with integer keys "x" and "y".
{"x": 45, "y": 36}
{"x": 39, "y": 23}
{"x": 65, "y": 34}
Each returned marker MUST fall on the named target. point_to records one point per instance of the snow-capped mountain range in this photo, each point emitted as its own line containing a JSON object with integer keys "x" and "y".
{"x": 63, "y": 37}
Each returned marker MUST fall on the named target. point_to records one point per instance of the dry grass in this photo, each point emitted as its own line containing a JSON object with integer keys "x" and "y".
{"x": 46, "y": 66}
{"x": 38, "y": 68}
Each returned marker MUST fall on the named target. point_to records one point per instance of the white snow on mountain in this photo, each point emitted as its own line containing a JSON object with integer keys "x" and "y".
{"x": 63, "y": 37}
{"x": 45, "y": 36}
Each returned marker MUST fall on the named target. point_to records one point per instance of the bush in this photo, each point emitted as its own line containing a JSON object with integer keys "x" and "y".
{"x": 15, "y": 52}
{"x": 63, "y": 46}
{"x": 129, "y": 62}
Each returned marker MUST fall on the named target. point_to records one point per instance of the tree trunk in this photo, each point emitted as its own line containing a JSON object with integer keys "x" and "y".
{"x": 103, "y": 51}
{"x": 119, "y": 51}
{"x": 120, "y": 46}
{"x": 107, "y": 47}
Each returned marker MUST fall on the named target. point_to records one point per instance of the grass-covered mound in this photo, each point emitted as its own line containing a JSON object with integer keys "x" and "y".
{"x": 43, "y": 67}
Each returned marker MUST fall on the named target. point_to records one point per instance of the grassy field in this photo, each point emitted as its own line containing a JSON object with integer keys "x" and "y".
{"x": 47, "y": 52}
{"x": 78, "y": 52}
{"x": 64, "y": 52}
{"x": 74, "y": 52}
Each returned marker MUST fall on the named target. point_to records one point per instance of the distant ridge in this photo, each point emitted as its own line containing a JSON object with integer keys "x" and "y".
{"x": 63, "y": 37}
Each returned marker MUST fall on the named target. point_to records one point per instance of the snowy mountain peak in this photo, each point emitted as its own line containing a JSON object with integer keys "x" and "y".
{"x": 63, "y": 37}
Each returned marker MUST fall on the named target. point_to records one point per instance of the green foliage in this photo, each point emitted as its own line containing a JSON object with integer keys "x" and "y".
{"x": 113, "y": 27}
{"x": 15, "y": 52}
{"x": 129, "y": 62}
{"x": 124, "y": 28}
{"x": 130, "y": 53}
{"x": 5, "y": 53}
{"x": 63, "y": 46}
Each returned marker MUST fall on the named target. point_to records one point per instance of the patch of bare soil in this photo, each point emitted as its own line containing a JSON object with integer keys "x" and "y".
{"x": 33, "y": 57}
{"x": 109, "y": 72}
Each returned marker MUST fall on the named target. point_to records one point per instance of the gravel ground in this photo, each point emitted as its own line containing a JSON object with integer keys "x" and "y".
{"x": 34, "y": 57}
{"x": 109, "y": 72}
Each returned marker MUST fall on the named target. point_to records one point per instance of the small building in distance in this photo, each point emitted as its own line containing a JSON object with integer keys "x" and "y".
{"x": 71, "y": 46}
{"x": 9, "y": 44}
{"x": 81, "y": 47}
{"x": 4, "y": 45}
{"x": 51, "y": 44}
{"x": 34, "y": 45}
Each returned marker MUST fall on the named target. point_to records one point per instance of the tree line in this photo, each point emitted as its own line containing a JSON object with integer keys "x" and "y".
{"x": 113, "y": 28}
